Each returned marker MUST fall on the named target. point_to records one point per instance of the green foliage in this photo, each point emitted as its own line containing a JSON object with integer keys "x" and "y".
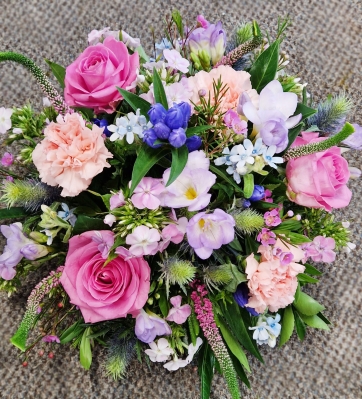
{"x": 86, "y": 223}
{"x": 159, "y": 90}
{"x": 248, "y": 185}
{"x": 287, "y": 325}
{"x": 136, "y": 102}
{"x": 13, "y": 213}
{"x": 58, "y": 72}
{"x": 85, "y": 349}
{"x": 179, "y": 160}
{"x": 206, "y": 362}
{"x": 306, "y": 305}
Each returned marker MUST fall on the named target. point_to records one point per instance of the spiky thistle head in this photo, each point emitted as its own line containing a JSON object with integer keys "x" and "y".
{"x": 242, "y": 33}
{"x": 29, "y": 193}
{"x": 120, "y": 352}
{"x": 214, "y": 276}
{"x": 247, "y": 221}
{"x": 331, "y": 114}
{"x": 177, "y": 271}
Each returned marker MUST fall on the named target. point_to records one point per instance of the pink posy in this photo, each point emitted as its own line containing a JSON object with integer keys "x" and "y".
{"x": 92, "y": 79}
{"x": 7, "y": 159}
{"x": 146, "y": 194}
{"x": 178, "y": 313}
{"x": 318, "y": 180}
{"x": 103, "y": 292}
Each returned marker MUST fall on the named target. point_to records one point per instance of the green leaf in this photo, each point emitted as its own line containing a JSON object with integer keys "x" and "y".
{"x": 179, "y": 160}
{"x": 85, "y": 223}
{"x": 85, "y": 351}
{"x": 304, "y": 110}
{"x": 290, "y": 224}
{"x": 159, "y": 90}
{"x": 226, "y": 178}
{"x": 293, "y": 133}
{"x": 163, "y": 304}
{"x": 206, "y": 362}
{"x": 304, "y": 278}
{"x": 324, "y": 318}
{"x": 264, "y": 69}
{"x": 299, "y": 325}
{"x": 231, "y": 313}
{"x": 287, "y": 325}
{"x": 176, "y": 17}
{"x": 235, "y": 244}
{"x": 239, "y": 370}
{"x": 146, "y": 158}
{"x": 192, "y": 131}
{"x": 248, "y": 185}
{"x": 58, "y": 72}
{"x": 71, "y": 333}
{"x": 306, "y": 305}
{"x": 141, "y": 52}
{"x": 136, "y": 102}
{"x": 295, "y": 238}
{"x": 233, "y": 344}
{"x": 312, "y": 270}
{"x": 87, "y": 113}
{"x": 12, "y": 213}
{"x": 314, "y": 321}
{"x": 237, "y": 278}
{"x": 264, "y": 205}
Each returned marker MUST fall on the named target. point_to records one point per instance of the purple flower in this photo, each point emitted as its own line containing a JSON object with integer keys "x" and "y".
{"x": 286, "y": 258}
{"x": 149, "y": 326}
{"x": 149, "y": 137}
{"x": 178, "y": 116}
{"x": 157, "y": 113}
{"x": 207, "y": 231}
{"x": 275, "y": 132}
{"x": 355, "y": 140}
{"x": 7, "y": 159}
{"x": 103, "y": 123}
{"x": 266, "y": 237}
{"x": 51, "y": 338}
{"x": 177, "y": 137}
{"x": 162, "y": 131}
{"x": 258, "y": 193}
{"x": 193, "y": 143}
{"x": 241, "y": 296}
{"x": 272, "y": 218}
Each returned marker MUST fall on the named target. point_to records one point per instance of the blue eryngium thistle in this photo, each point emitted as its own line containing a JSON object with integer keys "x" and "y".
{"x": 121, "y": 351}
{"x": 30, "y": 194}
{"x": 50, "y": 91}
{"x": 307, "y": 149}
{"x": 331, "y": 114}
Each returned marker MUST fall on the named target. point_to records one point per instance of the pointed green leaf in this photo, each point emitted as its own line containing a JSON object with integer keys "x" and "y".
{"x": 71, "y": 332}
{"x": 264, "y": 69}
{"x": 287, "y": 325}
{"x": 136, "y": 102}
{"x": 163, "y": 304}
{"x": 304, "y": 278}
{"x": 206, "y": 362}
{"x": 324, "y": 318}
{"x": 192, "y": 131}
{"x": 299, "y": 325}
{"x": 146, "y": 158}
{"x": 141, "y": 52}
{"x": 159, "y": 90}
{"x": 231, "y": 313}
{"x": 226, "y": 178}
{"x": 179, "y": 160}
{"x": 233, "y": 344}
{"x": 58, "y": 72}
{"x": 312, "y": 270}
{"x": 293, "y": 134}
{"x": 306, "y": 305}
{"x": 304, "y": 110}
{"x": 12, "y": 213}
{"x": 314, "y": 321}
{"x": 85, "y": 351}
{"x": 85, "y": 223}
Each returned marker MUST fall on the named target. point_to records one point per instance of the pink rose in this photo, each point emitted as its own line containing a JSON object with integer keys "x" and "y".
{"x": 92, "y": 79}
{"x": 103, "y": 292}
{"x": 318, "y": 180}
{"x": 71, "y": 154}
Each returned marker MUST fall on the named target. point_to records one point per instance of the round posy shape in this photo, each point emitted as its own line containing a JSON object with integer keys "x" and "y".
{"x": 92, "y": 79}
{"x": 207, "y": 231}
{"x": 103, "y": 292}
{"x": 71, "y": 154}
{"x": 318, "y": 180}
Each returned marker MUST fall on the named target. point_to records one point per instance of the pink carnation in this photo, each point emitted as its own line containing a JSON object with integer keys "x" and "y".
{"x": 272, "y": 283}
{"x": 236, "y": 82}
{"x": 71, "y": 154}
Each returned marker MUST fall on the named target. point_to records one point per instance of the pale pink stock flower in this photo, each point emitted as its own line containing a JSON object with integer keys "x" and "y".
{"x": 5, "y": 119}
{"x": 176, "y": 61}
{"x": 174, "y": 232}
{"x": 117, "y": 200}
{"x": 147, "y": 192}
{"x": 105, "y": 242}
{"x": 321, "y": 249}
{"x": 178, "y": 314}
{"x": 177, "y": 92}
{"x": 109, "y": 219}
{"x": 143, "y": 241}
{"x": 159, "y": 352}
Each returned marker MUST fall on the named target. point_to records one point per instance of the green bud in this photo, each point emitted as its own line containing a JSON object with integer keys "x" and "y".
{"x": 248, "y": 221}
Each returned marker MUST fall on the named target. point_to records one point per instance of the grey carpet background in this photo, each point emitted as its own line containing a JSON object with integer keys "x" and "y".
{"x": 324, "y": 45}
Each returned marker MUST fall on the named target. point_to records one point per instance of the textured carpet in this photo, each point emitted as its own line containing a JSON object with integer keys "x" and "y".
{"x": 324, "y": 45}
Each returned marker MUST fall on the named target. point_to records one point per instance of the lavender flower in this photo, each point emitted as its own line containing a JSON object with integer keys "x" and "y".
{"x": 355, "y": 139}
{"x": 258, "y": 193}
{"x": 148, "y": 326}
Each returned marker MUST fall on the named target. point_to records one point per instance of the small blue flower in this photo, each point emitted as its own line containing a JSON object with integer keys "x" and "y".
{"x": 274, "y": 324}
{"x": 157, "y": 113}
{"x": 193, "y": 143}
{"x": 67, "y": 214}
{"x": 149, "y": 137}
{"x": 267, "y": 330}
{"x": 103, "y": 123}
{"x": 258, "y": 147}
{"x": 241, "y": 296}
{"x": 268, "y": 153}
{"x": 258, "y": 193}
{"x": 177, "y": 137}
{"x": 178, "y": 116}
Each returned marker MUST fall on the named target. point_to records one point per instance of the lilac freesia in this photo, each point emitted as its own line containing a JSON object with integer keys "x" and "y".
{"x": 147, "y": 192}
{"x": 148, "y": 326}
{"x": 273, "y": 117}
{"x": 17, "y": 247}
{"x": 209, "y": 39}
{"x": 178, "y": 313}
{"x": 209, "y": 231}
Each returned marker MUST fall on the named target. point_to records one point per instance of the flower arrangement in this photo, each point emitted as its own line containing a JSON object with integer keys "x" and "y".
{"x": 180, "y": 200}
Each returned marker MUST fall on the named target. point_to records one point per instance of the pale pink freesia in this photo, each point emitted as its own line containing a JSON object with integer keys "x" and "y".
{"x": 92, "y": 79}
{"x": 147, "y": 192}
{"x": 236, "y": 82}
{"x": 71, "y": 154}
{"x": 178, "y": 313}
{"x": 176, "y": 61}
{"x": 117, "y": 200}
{"x": 271, "y": 284}
{"x": 198, "y": 160}
{"x": 143, "y": 241}
{"x": 318, "y": 180}
{"x": 103, "y": 291}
